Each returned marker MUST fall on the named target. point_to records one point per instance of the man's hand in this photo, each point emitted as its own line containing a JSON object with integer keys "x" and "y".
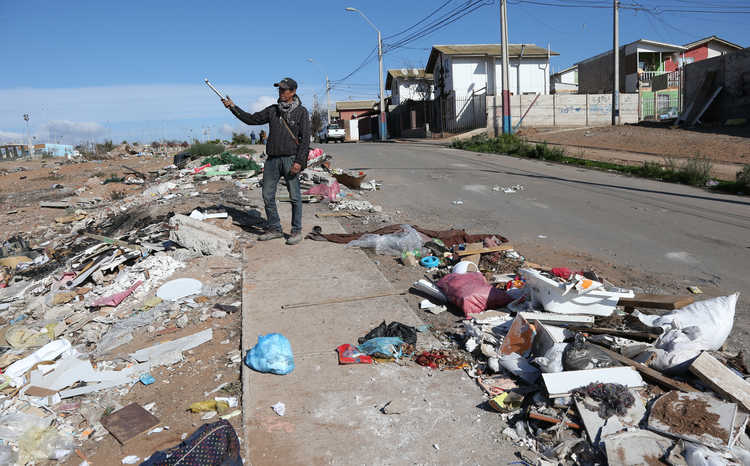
{"x": 295, "y": 168}
{"x": 228, "y": 103}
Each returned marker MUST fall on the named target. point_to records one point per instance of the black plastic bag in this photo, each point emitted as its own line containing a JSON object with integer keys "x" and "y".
{"x": 394, "y": 329}
{"x": 581, "y": 355}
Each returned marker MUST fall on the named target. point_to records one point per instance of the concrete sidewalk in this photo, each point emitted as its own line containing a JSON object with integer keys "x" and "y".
{"x": 333, "y": 412}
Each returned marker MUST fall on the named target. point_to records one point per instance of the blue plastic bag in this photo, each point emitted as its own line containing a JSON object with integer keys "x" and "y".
{"x": 272, "y": 353}
{"x": 387, "y": 346}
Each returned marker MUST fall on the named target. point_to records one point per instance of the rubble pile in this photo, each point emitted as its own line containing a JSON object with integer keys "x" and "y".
{"x": 582, "y": 371}
{"x": 82, "y": 300}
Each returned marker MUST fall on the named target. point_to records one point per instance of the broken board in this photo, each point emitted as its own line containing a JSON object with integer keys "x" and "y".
{"x": 129, "y": 422}
{"x": 636, "y": 447}
{"x": 562, "y": 383}
{"x": 598, "y": 428}
{"x": 550, "y": 318}
{"x": 655, "y": 301}
{"x": 721, "y": 379}
{"x": 687, "y": 402}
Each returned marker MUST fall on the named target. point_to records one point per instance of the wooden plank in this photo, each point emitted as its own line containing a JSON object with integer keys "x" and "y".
{"x": 550, "y": 317}
{"x": 649, "y": 374}
{"x": 552, "y": 420}
{"x": 129, "y": 422}
{"x": 721, "y": 379}
{"x": 631, "y": 334}
{"x": 562, "y": 383}
{"x": 470, "y": 252}
{"x": 655, "y": 301}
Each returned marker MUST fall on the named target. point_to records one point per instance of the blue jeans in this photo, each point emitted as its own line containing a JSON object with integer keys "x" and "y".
{"x": 273, "y": 170}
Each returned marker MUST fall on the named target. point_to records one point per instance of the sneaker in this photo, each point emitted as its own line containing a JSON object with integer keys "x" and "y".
{"x": 294, "y": 238}
{"x": 273, "y": 234}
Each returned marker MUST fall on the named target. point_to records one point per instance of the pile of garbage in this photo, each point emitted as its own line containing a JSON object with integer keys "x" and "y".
{"x": 74, "y": 300}
{"x": 583, "y": 372}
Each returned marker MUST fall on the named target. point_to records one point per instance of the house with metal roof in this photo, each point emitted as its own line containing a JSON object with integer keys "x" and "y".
{"x": 409, "y": 84}
{"x": 464, "y": 70}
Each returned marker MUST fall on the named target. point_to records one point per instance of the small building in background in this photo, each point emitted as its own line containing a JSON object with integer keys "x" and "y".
{"x": 409, "y": 84}
{"x": 565, "y": 81}
{"x": 351, "y": 109}
{"x": 13, "y": 151}
{"x": 53, "y": 150}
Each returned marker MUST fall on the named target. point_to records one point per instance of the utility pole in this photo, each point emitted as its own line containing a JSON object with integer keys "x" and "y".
{"x": 616, "y": 65}
{"x": 328, "y": 91}
{"x": 383, "y": 125}
{"x": 328, "y": 101}
{"x": 507, "y": 129}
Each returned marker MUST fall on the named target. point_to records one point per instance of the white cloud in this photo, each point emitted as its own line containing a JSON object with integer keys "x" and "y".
{"x": 262, "y": 102}
{"x": 124, "y": 103}
{"x": 71, "y": 132}
{"x": 12, "y": 137}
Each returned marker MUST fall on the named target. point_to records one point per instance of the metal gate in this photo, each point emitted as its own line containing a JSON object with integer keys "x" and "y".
{"x": 460, "y": 114}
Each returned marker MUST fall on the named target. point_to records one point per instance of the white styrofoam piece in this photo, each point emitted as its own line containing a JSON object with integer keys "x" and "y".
{"x": 179, "y": 288}
{"x": 556, "y": 298}
{"x": 562, "y": 383}
{"x": 48, "y": 352}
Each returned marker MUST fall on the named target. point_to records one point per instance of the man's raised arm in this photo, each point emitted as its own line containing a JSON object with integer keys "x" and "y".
{"x": 257, "y": 118}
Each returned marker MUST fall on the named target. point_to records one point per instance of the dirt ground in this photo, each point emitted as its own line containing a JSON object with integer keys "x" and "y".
{"x": 636, "y": 144}
{"x": 655, "y": 140}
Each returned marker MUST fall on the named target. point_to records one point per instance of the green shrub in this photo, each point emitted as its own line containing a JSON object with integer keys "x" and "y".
{"x": 695, "y": 171}
{"x": 205, "y": 149}
{"x": 743, "y": 177}
{"x": 240, "y": 138}
{"x": 237, "y": 163}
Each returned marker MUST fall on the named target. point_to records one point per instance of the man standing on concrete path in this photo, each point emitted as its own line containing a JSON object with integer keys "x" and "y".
{"x": 287, "y": 148}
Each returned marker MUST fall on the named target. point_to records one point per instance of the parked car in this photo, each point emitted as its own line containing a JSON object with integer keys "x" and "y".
{"x": 332, "y": 132}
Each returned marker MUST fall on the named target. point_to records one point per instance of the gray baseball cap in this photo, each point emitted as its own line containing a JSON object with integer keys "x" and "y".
{"x": 286, "y": 83}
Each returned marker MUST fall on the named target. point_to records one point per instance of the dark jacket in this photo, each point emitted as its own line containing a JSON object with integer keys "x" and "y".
{"x": 280, "y": 142}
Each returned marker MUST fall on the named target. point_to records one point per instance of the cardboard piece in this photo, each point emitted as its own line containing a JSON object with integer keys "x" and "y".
{"x": 562, "y": 383}
{"x": 519, "y": 339}
{"x": 129, "y": 422}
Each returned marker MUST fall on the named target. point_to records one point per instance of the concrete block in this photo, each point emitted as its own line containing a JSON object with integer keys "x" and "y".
{"x": 199, "y": 236}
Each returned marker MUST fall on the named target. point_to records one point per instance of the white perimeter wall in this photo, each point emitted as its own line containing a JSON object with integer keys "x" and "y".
{"x": 562, "y": 110}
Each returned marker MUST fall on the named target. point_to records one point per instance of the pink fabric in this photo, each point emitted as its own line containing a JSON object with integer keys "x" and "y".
{"x": 471, "y": 292}
{"x": 329, "y": 192}
{"x": 314, "y": 153}
{"x": 200, "y": 169}
{"x": 117, "y": 298}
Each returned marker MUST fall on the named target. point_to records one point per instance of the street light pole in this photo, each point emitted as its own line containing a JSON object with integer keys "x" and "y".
{"x": 328, "y": 91}
{"x": 383, "y": 127}
{"x": 615, "y": 64}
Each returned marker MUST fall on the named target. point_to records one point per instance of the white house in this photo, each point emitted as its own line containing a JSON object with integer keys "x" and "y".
{"x": 465, "y": 70}
{"x": 565, "y": 81}
{"x": 409, "y": 84}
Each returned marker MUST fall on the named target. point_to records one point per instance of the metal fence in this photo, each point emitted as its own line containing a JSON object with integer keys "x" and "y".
{"x": 460, "y": 114}
{"x": 659, "y": 105}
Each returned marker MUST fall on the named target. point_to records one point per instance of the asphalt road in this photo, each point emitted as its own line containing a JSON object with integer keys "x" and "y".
{"x": 680, "y": 234}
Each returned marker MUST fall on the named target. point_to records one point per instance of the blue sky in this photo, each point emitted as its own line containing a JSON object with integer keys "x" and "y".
{"x": 134, "y": 70}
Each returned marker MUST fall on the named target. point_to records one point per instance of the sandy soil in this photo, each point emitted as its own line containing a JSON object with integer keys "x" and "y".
{"x": 635, "y": 145}
{"x": 661, "y": 141}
